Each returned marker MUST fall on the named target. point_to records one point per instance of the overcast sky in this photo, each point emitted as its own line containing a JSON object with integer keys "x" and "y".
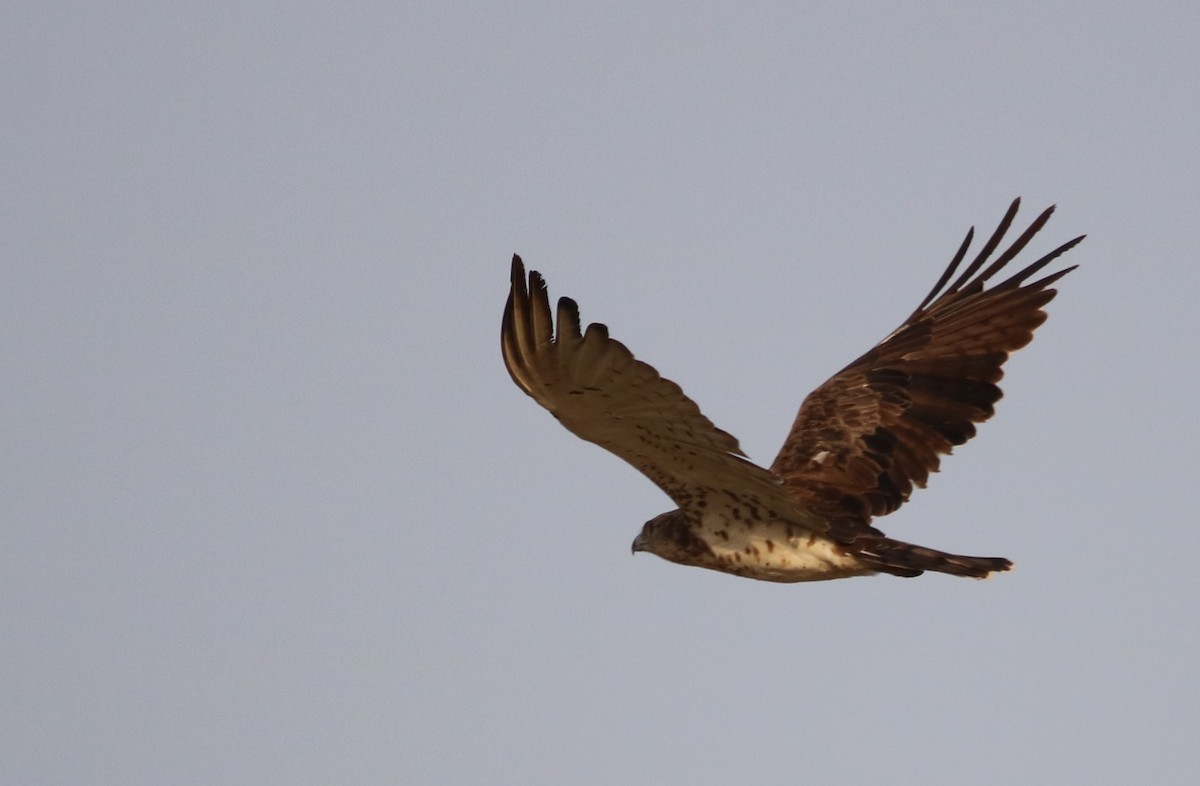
{"x": 273, "y": 511}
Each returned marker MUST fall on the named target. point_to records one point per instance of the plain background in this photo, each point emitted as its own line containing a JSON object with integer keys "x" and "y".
{"x": 273, "y": 511}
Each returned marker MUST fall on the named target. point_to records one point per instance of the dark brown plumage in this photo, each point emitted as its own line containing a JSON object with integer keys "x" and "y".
{"x": 859, "y": 444}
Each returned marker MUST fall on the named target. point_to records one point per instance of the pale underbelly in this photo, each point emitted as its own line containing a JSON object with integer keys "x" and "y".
{"x": 776, "y": 556}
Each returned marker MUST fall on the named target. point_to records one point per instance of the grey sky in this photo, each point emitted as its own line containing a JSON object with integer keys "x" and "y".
{"x": 274, "y": 513}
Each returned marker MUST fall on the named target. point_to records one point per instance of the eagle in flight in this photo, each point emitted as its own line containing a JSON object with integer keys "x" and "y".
{"x": 859, "y": 444}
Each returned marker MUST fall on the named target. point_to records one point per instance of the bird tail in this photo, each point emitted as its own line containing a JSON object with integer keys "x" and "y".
{"x": 905, "y": 559}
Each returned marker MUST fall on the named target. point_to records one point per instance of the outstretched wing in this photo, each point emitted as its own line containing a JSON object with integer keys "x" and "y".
{"x": 875, "y": 429}
{"x": 598, "y": 390}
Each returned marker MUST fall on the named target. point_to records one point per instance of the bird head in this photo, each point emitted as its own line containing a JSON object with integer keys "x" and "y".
{"x": 666, "y": 535}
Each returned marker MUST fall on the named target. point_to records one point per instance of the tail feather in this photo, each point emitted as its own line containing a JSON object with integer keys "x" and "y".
{"x": 906, "y": 559}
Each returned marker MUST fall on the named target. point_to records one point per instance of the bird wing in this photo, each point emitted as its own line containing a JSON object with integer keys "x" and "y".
{"x": 864, "y": 438}
{"x": 596, "y": 388}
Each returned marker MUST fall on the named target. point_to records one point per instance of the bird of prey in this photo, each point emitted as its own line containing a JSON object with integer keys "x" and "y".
{"x": 860, "y": 443}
